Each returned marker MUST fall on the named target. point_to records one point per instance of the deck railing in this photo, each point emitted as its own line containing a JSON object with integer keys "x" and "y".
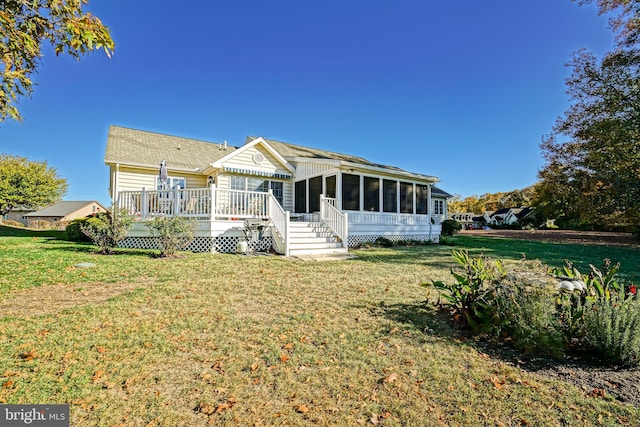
{"x": 203, "y": 203}
{"x": 338, "y": 221}
{"x": 280, "y": 219}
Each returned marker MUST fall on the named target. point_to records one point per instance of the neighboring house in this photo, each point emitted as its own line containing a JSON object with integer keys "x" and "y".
{"x": 516, "y": 215}
{"x": 305, "y": 200}
{"x": 469, "y": 220}
{"x": 65, "y": 211}
{"x": 504, "y": 216}
{"x": 18, "y": 214}
{"x": 507, "y": 216}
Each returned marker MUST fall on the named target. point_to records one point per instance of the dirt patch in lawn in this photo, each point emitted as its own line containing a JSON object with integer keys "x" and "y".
{"x": 562, "y": 236}
{"x": 49, "y": 299}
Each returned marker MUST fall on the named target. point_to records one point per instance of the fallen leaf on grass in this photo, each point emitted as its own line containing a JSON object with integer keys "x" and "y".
{"x": 288, "y": 346}
{"x": 28, "y": 355}
{"x": 97, "y": 375}
{"x": 224, "y": 406}
{"x": 391, "y": 378}
{"x": 497, "y": 383}
{"x": 596, "y": 392}
{"x": 302, "y": 409}
{"x": 8, "y": 384}
{"x": 205, "y": 408}
{"x": 218, "y": 367}
{"x": 284, "y": 357}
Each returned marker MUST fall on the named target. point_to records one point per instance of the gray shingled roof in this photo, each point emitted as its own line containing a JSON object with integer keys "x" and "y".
{"x": 142, "y": 148}
{"x": 290, "y": 151}
{"x": 61, "y": 209}
{"x": 435, "y": 191}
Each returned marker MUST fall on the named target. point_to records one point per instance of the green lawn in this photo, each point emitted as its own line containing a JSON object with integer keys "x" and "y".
{"x": 212, "y": 339}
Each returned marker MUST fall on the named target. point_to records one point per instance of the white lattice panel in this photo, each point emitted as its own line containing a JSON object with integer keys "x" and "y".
{"x": 360, "y": 239}
{"x": 201, "y": 244}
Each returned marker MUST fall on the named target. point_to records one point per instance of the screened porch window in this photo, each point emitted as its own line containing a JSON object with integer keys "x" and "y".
{"x": 350, "y": 192}
{"x": 422, "y": 192}
{"x": 406, "y": 197}
{"x": 390, "y": 195}
{"x": 371, "y": 194}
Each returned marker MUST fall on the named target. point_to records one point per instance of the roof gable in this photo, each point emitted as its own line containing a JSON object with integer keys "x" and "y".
{"x": 253, "y": 144}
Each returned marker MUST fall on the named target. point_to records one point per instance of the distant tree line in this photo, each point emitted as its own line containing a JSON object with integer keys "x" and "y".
{"x": 492, "y": 201}
{"x": 591, "y": 175}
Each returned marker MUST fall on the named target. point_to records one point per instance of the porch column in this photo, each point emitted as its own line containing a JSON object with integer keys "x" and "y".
{"x": 429, "y": 209}
{"x": 361, "y": 193}
{"x": 339, "y": 190}
{"x": 415, "y": 199}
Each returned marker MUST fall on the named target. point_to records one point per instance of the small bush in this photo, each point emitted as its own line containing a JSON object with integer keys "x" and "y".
{"x": 172, "y": 233}
{"x": 40, "y": 224}
{"x": 450, "y": 226}
{"x": 527, "y": 315}
{"x": 106, "y": 230}
{"x": 383, "y": 242}
{"x": 612, "y": 328}
{"x": 12, "y": 223}
{"x": 74, "y": 231}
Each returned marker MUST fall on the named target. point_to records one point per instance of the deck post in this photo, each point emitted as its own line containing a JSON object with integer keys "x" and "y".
{"x": 345, "y": 232}
{"x": 176, "y": 201}
{"x": 322, "y": 213}
{"x": 287, "y": 221}
{"x": 144, "y": 208}
{"x": 212, "y": 213}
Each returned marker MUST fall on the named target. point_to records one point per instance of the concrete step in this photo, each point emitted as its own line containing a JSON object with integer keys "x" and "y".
{"x": 314, "y": 245}
{"x": 318, "y": 251}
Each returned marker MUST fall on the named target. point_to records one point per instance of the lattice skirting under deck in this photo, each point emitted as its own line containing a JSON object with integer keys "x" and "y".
{"x": 360, "y": 239}
{"x": 202, "y": 244}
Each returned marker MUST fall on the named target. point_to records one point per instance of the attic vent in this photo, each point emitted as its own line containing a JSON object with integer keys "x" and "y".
{"x": 258, "y": 158}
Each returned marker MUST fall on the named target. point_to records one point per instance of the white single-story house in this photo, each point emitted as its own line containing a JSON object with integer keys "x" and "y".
{"x": 301, "y": 199}
{"x": 507, "y": 216}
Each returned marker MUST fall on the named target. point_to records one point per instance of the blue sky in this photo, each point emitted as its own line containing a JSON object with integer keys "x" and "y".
{"x": 463, "y": 90}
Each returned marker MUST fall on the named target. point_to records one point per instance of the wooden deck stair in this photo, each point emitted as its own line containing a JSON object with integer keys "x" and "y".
{"x": 313, "y": 238}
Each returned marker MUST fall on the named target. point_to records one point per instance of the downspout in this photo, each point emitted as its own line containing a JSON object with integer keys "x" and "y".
{"x": 114, "y": 186}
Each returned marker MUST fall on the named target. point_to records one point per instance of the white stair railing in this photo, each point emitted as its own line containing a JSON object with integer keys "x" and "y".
{"x": 337, "y": 221}
{"x": 280, "y": 220}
